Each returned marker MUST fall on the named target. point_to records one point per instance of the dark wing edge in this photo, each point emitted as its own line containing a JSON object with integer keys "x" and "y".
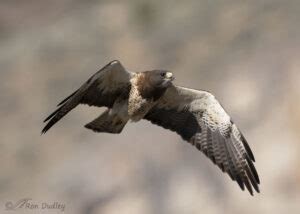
{"x": 187, "y": 112}
{"x": 101, "y": 89}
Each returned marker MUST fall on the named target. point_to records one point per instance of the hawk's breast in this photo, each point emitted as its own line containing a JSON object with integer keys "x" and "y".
{"x": 138, "y": 106}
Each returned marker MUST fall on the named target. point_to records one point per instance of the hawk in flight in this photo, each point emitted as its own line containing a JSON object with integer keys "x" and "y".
{"x": 195, "y": 115}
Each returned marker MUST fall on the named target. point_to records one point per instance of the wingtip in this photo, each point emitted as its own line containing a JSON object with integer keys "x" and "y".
{"x": 247, "y": 147}
{"x": 44, "y": 131}
{"x": 47, "y": 127}
{"x": 258, "y": 190}
{"x": 252, "y": 192}
{"x": 67, "y": 98}
{"x": 53, "y": 114}
{"x": 253, "y": 169}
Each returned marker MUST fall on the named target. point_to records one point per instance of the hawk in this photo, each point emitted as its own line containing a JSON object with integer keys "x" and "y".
{"x": 151, "y": 95}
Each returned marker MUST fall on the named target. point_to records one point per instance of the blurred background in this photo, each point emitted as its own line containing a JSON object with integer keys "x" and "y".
{"x": 245, "y": 52}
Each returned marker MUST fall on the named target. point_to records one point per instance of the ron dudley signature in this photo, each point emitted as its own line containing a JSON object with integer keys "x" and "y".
{"x": 29, "y": 204}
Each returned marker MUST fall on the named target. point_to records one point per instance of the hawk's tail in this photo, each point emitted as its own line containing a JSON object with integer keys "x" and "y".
{"x": 107, "y": 123}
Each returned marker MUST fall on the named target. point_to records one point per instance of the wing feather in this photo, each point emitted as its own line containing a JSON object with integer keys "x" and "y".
{"x": 199, "y": 118}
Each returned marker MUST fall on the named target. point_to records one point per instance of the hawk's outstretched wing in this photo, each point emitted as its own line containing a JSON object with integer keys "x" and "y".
{"x": 101, "y": 89}
{"x": 199, "y": 118}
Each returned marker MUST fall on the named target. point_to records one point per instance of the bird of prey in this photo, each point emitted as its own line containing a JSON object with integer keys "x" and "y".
{"x": 151, "y": 95}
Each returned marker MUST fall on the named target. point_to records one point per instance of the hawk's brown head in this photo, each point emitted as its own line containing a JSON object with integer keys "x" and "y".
{"x": 159, "y": 78}
{"x": 152, "y": 84}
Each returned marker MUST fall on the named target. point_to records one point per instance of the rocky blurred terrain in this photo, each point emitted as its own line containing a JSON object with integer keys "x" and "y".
{"x": 245, "y": 52}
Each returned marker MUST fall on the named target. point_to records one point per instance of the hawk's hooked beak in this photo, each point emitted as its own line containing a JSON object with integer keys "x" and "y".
{"x": 170, "y": 76}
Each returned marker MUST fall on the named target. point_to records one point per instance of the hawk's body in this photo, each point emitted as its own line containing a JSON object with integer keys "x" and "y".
{"x": 138, "y": 106}
{"x": 195, "y": 115}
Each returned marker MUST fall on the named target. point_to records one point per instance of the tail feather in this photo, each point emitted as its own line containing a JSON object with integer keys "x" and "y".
{"x": 107, "y": 123}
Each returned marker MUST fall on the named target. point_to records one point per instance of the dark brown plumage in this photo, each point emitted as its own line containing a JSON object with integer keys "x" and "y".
{"x": 195, "y": 115}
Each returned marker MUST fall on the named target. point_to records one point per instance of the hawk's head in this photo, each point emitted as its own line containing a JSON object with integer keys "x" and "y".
{"x": 160, "y": 78}
{"x": 152, "y": 84}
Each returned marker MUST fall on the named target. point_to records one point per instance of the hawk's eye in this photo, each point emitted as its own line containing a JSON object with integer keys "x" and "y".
{"x": 163, "y": 74}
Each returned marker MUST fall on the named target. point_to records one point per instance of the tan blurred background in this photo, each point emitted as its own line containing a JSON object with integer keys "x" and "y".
{"x": 245, "y": 52}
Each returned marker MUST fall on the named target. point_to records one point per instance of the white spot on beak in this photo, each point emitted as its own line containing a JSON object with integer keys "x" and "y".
{"x": 169, "y": 75}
